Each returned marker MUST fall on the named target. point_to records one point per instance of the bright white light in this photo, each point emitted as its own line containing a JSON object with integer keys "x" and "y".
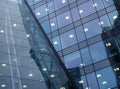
{"x": 42, "y": 49}
{"x": 52, "y": 76}
{"x": 95, "y": 5}
{"x": 86, "y": 29}
{"x": 27, "y": 35}
{"x": 71, "y": 36}
{"x": 117, "y": 68}
{"x": 107, "y": 0}
{"x": 101, "y": 23}
{"x": 52, "y": 24}
{"x": 98, "y": 75}
{"x": 82, "y": 64}
{"x": 44, "y": 69}
{"x": 81, "y": 81}
{"x": 3, "y": 85}
{"x": 24, "y": 86}
{"x": 87, "y": 88}
{"x": 30, "y": 75}
{"x": 115, "y": 17}
{"x": 38, "y": 13}
{"x": 46, "y": 9}
{"x": 62, "y": 88}
{"x": 63, "y": 1}
{"x": 109, "y": 88}
{"x": 105, "y": 82}
{"x": 14, "y": 25}
{"x": 2, "y": 31}
{"x": 80, "y": 11}
{"x": 3, "y": 65}
{"x": 55, "y": 43}
{"x": 67, "y": 17}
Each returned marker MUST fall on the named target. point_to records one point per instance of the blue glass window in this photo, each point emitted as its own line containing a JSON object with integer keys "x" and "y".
{"x": 56, "y": 43}
{"x": 80, "y": 34}
{"x": 75, "y": 14}
{"x": 113, "y": 15}
{"x": 72, "y": 60}
{"x": 68, "y": 39}
{"x": 64, "y": 19}
{"x": 98, "y": 51}
{"x": 98, "y": 4}
{"x": 71, "y": 1}
{"x": 92, "y": 82}
{"x": 46, "y": 26}
{"x": 106, "y": 78}
{"x": 51, "y": 7}
{"x": 41, "y": 11}
{"x": 86, "y": 9}
{"x": 86, "y": 56}
{"x": 60, "y": 3}
{"x": 53, "y": 24}
{"x": 92, "y": 28}
{"x": 108, "y": 2}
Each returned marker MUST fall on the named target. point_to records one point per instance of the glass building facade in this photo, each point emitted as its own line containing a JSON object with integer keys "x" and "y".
{"x": 27, "y": 58}
{"x": 85, "y": 33}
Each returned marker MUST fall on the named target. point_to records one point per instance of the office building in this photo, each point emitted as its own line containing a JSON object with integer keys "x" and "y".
{"x": 27, "y": 58}
{"x": 85, "y": 33}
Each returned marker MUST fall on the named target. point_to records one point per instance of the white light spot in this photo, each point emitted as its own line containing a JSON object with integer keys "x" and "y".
{"x": 46, "y": 9}
{"x": 3, "y": 65}
{"x": 87, "y": 88}
{"x": 115, "y": 17}
{"x": 95, "y": 5}
{"x": 24, "y": 86}
{"x": 101, "y": 23}
{"x": 27, "y": 35}
{"x": 67, "y": 17}
{"x": 14, "y": 25}
{"x": 3, "y": 85}
{"x": 63, "y": 1}
{"x": 71, "y": 36}
{"x": 99, "y": 75}
{"x": 30, "y": 75}
{"x": 38, "y": 13}
{"x": 2, "y": 31}
{"x": 52, "y": 76}
{"x": 80, "y": 11}
{"x": 52, "y": 24}
{"x": 105, "y": 82}
{"x": 86, "y": 29}
{"x": 55, "y": 43}
{"x": 44, "y": 69}
{"x": 81, "y": 81}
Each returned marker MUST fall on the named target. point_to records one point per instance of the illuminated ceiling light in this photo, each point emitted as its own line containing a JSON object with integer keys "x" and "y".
{"x": 44, "y": 69}
{"x": 63, "y": 1}
{"x": 30, "y": 75}
{"x": 62, "y": 88}
{"x": 86, "y": 29}
{"x": 3, "y": 85}
{"x": 98, "y": 75}
{"x": 52, "y": 75}
{"x": 52, "y": 24}
{"x": 117, "y": 68}
{"x": 115, "y": 17}
{"x": 67, "y": 17}
{"x": 2, "y": 31}
{"x": 38, "y": 13}
{"x": 42, "y": 49}
{"x": 14, "y": 25}
{"x": 108, "y": 44}
{"x": 71, "y": 36}
{"x": 55, "y": 43}
{"x": 95, "y": 5}
{"x": 81, "y": 81}
{"x": 107, "y": 0}
{"x": 24, "y": 86}
{"x": 46, "y": 9}
{"x": 105, "y": 82}
{"x": 80, "y": 11}
{"x": 109, "y": 88}
{"x": 101, "y": 23}
{"x": 87, "y": 88}
{"x": 3, "y": 65}
{"x": 82, "y": 64}
{"x": 27, "y": 35}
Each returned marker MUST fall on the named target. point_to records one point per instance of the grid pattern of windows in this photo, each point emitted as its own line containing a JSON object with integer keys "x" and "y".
{"x": 75, "y": 29}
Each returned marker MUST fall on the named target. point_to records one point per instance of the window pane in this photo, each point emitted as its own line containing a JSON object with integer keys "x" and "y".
{"x": 64, "y": 19}
{"x": 108, "y": 2}
{"x": 53, "y": 24}
{"x": 68, "y": 39}
{"x": 98, "y": 4}
{"x": 46, "y": 26}
{"x": 92, "y": 28}
{"x": 72, "y": 60}
{"x": 98, "y": 51}
{"x": 106, "y": 78}
{"x": 75, "y": 14}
